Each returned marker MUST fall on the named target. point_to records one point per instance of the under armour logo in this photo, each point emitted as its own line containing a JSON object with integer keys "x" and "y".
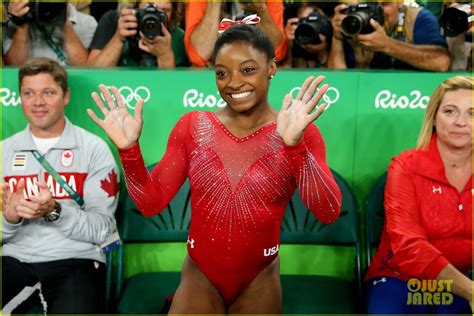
{"x": 382, "y": 280}
{"x": 191, "y": 242}
{"x": 438, "y": 189}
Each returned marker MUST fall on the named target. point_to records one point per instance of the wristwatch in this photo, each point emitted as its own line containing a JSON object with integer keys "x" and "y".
{"x": 54, "y": 214}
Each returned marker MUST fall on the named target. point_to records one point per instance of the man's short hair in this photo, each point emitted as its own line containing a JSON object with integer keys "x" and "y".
{"x": 38, "y": 65}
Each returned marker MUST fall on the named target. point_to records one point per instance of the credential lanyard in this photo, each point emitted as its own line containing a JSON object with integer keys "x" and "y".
{"x": 79, "y": 200}
{"x": 51, "y": 44}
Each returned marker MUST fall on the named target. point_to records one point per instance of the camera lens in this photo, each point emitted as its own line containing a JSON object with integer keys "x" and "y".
{"x": 351, "y": 25}
{"x": 48, "y": 13}
{"x": 308, "y": 29}
{"x": 151, "y": 28}
{"x": 150, "y": 19}
{"x": 358, "y": 18}
{"x": 454, "y": 22}
{"x": 305, "y": 34}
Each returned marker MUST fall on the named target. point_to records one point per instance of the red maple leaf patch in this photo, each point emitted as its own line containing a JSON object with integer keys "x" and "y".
{"x": 110, "y": 184}
{"x": 67, "y": 155}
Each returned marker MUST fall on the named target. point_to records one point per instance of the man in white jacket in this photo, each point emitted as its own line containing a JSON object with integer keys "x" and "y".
{"x": 60, "y": 193}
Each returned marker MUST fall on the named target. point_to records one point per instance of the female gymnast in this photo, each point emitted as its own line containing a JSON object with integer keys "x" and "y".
{"x": 243, "y": 163}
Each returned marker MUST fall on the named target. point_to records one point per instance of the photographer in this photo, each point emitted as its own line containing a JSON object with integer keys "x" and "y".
{"x": 312, "y": 27}
{"x": 408, "y": 39}
{"x": 119, "y": 42}
{"x": 65, "y": 41}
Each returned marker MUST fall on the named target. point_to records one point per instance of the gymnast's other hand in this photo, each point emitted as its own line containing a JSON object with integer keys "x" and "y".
{"x": 122, "y": 128}
{"x": 296, "y": 114}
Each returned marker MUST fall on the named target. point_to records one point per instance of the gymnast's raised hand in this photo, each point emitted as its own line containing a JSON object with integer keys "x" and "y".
{"x": 295, "y": 115}
{"x": 122, "y": 128}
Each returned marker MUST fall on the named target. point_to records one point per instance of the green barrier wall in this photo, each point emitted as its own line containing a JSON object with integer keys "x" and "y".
{"x": 372, "y": 117}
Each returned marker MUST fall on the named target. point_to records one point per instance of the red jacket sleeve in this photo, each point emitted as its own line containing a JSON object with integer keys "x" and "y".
{"x": 413, "y": 254}
{"x": 317, "y": 187}
{"x": 153, "y": 191}
{"x": 195, "y": 12}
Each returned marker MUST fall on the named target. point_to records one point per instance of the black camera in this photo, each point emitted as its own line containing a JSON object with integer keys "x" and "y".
{"x": 47, "y": 13}
{"x": 455, "y": 20}
{"x": 43, "y": 13}
{"x": 309, "y": 28}
{"x": 149, "y": 21}
{"x": 358, "y": 18}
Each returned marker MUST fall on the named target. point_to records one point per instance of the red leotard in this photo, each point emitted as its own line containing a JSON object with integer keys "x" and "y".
{"x": 240, "y": 188}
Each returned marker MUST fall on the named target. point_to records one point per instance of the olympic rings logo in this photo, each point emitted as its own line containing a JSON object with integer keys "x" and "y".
{"x": 131, "y": 97}
{"x": 330, "y": 97}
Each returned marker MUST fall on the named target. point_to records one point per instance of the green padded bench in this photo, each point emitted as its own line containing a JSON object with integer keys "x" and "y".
{"x": 321, "y": 294}
{"x": 374, "y": 216}
{"x": 145, "y": 293}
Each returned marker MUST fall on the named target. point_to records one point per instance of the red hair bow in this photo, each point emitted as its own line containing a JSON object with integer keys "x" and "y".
{"x": 226, "y": 23}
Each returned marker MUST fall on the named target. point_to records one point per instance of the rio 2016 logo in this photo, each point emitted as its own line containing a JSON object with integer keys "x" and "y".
{"x": 193, "y": 98}
{"x": 132, "y": 96}
{"x": 385, "y": 99}
{"x": 10, "y": 98}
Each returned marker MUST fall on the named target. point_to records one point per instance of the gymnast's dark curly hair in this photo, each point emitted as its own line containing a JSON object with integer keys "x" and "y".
{"x": 250, "y": 34}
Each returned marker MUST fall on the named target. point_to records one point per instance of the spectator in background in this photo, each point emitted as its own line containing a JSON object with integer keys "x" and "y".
{"x": 51, "y": 230}
{"x": 67, "y": 43}
{"x": 118, "y": 42}
{"x": 427, "y": 235}
{"x": 458, "y": 31}
{"x": 409, "y": 39}
{"x": 202, "y": 25}
{"x": 314, "y": 54}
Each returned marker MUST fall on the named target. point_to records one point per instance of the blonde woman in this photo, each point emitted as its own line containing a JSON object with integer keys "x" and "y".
{"x": 426, "y": 244}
